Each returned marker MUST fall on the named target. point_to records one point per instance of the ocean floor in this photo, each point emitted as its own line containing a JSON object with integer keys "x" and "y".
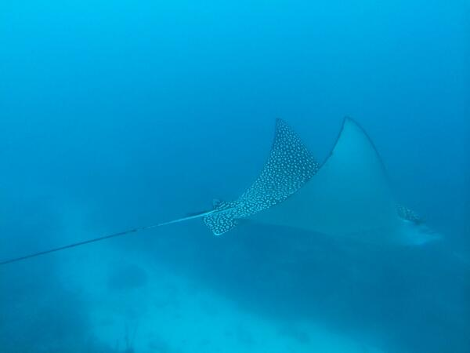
{"x": 143, "y": 308}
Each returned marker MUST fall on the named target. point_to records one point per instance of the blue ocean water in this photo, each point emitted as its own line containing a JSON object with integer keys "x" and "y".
{"x": 118, "y": 114}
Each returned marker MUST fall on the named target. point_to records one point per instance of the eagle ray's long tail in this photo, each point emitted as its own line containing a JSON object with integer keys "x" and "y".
{"x": 104, "y": 237}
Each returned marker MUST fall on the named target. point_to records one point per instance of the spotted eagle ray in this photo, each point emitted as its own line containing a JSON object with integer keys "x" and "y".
{"x": 347, "y": 195}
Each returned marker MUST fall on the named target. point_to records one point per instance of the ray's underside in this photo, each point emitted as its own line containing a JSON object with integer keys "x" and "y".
{"x": 350, "y": 194}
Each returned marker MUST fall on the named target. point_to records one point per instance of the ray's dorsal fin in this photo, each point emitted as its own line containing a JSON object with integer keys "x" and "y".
{"x": 216, "y": 203}
{"x": 288, "y": 167}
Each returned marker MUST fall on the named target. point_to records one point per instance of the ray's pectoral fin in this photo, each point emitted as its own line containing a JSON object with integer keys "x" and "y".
{"x": 289, "y": 166}
{"x": 349, "y": 196}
